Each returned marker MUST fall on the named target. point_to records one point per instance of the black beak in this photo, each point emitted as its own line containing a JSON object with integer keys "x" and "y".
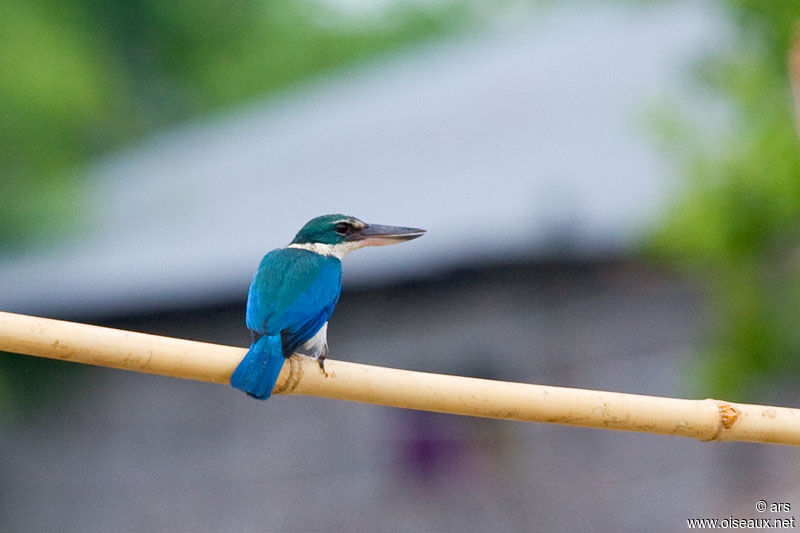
{"x": 377, "y": 235}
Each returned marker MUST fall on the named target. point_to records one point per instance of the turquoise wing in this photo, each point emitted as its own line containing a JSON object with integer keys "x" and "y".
{"x": 293, "y": 294}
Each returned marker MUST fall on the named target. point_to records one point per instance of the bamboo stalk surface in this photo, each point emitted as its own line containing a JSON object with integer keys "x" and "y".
{"x": 707, "y": 420}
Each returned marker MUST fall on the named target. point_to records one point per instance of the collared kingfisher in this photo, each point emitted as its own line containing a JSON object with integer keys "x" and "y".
{"x": 293, "y": 294}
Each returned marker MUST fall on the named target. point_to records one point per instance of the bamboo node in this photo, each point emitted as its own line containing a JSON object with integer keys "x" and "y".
{"x": 729, "y": 415}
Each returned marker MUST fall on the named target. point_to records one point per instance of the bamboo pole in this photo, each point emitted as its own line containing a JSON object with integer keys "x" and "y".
{"x": 707, "y": 420}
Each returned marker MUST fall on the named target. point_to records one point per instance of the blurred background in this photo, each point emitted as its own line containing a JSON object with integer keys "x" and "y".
{"x": 611, "y": 196}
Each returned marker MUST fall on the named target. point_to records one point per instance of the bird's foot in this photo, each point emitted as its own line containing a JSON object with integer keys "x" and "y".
{"x": 321, "y": 361}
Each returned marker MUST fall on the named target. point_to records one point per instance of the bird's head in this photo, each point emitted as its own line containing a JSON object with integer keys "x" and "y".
{"x": 339, "y": 234}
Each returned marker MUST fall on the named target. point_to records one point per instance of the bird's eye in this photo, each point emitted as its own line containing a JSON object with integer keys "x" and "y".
{"x": 342, "y": 228}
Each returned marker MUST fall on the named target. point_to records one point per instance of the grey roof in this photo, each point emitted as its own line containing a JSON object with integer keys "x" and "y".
{"x": 500, "y": 144}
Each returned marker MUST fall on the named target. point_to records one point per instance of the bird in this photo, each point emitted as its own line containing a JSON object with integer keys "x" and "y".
{"x": 294, "y": 292}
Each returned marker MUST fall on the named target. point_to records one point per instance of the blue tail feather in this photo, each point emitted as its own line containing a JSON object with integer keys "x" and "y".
{"x": 257, "y": 373}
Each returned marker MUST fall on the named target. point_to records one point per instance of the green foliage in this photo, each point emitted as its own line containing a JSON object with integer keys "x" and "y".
{"x": 56, "y": 101}
{"x": 738, "y": 223}
{"x": 27, "y": 383}
{"x": 82, "y": 77}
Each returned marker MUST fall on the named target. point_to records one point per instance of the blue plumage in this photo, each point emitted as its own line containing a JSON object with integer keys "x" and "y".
{"x": 294, "y": 292}
{"x": 258, "y": 371}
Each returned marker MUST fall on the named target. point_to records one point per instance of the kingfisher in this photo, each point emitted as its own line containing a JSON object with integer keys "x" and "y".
{"x": 294, "y": 292}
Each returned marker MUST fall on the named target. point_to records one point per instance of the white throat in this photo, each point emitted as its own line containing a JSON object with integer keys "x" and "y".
{"x": 335, "y": 250}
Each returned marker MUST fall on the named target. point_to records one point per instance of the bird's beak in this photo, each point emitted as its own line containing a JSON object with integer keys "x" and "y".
{"x": 377, "y": 235}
